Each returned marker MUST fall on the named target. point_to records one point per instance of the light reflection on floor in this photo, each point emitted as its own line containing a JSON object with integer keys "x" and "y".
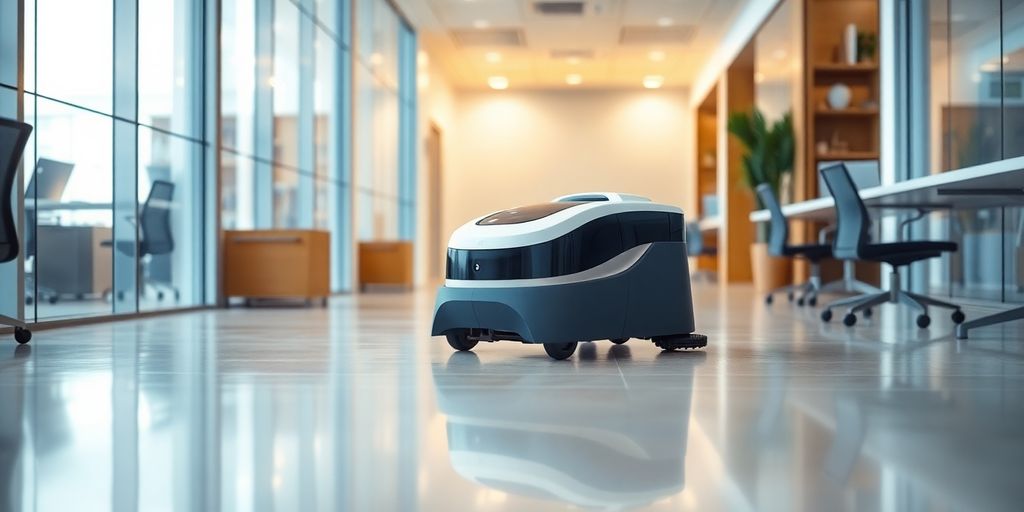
{"x": 355, "y": 408}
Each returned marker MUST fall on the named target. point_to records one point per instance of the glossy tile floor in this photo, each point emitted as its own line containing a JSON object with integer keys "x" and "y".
{"x": 356, "y": 408}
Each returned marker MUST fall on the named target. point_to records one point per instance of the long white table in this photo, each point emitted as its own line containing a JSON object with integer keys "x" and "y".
{"x": 982, "y": 186}
{"x": 988, "y": 185}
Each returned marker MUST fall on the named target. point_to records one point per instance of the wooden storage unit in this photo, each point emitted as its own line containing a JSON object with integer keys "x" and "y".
{"x": 385, "y": 263}
{"x": 707, "y": 171}
{"x": 277, "y": 264}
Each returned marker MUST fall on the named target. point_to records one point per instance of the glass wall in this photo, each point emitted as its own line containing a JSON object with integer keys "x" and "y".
{"x": 384, "y": 115}
{"x": 113, "y": 194}
{"x": 974, "y": 50}
{"x": 285, "y": 120}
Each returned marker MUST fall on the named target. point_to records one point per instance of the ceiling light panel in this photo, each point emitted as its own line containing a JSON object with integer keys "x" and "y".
{"x": 677, "y": 35}
{"x": 492, "y": 37}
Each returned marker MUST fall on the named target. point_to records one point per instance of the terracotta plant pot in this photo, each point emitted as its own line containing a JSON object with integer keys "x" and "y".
{"x": 769, "y": 272}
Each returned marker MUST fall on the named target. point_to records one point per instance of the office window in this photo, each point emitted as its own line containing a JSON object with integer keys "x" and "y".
{"x": 384, "y": 105}
{"x": 116, "y": 97}
{"x": 975, "y": 115}
{"x": 285, "y": 118}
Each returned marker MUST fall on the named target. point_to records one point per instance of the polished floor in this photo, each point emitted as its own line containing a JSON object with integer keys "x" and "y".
{"x": 354, "y": 407}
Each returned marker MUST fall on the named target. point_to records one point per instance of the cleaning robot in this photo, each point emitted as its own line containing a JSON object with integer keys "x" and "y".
{"x": 583, "y": 267}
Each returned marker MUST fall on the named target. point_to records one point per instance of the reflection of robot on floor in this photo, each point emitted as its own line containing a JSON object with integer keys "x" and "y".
{"x": 607, "y": 448}
{"x": 584, "y": 267}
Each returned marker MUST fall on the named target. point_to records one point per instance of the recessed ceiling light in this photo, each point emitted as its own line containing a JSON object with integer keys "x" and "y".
{"x": 665, "y": 21}
{"x": 653, "y": 81}
{"x": 498, "y": 82}
{"x": 492, "y": 57}
{"x": 574, "y": 79}
{"x": 656, "y": 56}
{"x": 481, "y": 24}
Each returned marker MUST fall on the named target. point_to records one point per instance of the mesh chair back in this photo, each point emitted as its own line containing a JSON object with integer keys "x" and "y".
{"x": 694, "y": 240}
{"x": 779, "y": 228}
{"x": 156, "y": 219}
{"x": 853, "y": 224}
{"x": 13, "y": 137}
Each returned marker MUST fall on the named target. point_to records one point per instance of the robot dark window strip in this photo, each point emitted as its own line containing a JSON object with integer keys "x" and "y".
{"x": 581, "y": 268}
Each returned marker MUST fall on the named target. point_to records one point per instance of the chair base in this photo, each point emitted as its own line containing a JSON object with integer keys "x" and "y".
{"x": 864, "y": 303}
{"x": 997, "y": 318}
{"x": 812, "y": 288}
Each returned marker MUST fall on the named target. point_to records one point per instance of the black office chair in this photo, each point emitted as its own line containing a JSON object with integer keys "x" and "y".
{"x": 695, "y": 247}
{"x": 778, "y": 245}
{"x": 13, "y": 138}
{"x": 155, "y": 224}
{"x": 852, "y": 242}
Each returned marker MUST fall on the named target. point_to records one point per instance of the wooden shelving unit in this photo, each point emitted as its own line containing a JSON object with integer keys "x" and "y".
{"x": 856, "y": 127}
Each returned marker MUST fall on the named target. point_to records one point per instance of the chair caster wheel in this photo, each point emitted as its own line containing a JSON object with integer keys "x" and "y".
{"x": 849, "y": 319}
{"x": 813, "y": 301}
{"x": 29, "y": 301}
{"x": 800, "y": 301}
{"x": 790, "y": 296}
{"x": 867, "y": 313}
{"x": 826, "y": 315}
{"x": 767, "y": 299}
{"x": 619, "y": 341}
{"x": 958, "y": 317}
{"x": 559, "y": 351}
{"x": 22, "y": 335}
{"x": 923, "y": 321}
{"x": 52, "y": 299}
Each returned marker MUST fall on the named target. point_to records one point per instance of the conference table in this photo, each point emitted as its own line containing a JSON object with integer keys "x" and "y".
{"x": 991, "y": 185}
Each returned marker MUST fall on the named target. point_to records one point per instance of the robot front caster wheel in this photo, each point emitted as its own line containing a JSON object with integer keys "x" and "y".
{"x": 560, "y": 351}
{"x": 619, "y": 341}
{"x": 460, "y": 341}
{"x": 22, "y": 335}
{"x": 685, "y": 342}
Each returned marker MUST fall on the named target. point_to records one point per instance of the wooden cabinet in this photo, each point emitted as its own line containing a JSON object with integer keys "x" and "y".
{"x": 385, "y": 263}
{"x": 277, "y": 264}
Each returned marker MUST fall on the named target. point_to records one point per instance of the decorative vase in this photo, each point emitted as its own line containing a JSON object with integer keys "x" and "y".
{"x": 839, "y": 97}
{"x": 850, "y": 42}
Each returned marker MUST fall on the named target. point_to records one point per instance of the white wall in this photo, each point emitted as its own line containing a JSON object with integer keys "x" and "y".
{"x": 510, "y": 148}
{"x": 437, "y": 107}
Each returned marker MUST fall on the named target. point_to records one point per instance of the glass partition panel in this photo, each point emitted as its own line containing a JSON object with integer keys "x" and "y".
{"x": 70, "y": 256}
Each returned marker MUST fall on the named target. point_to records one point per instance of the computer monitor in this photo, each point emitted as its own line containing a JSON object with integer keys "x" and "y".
{"x": 13, "y": 137}
{"x": 50, "y": 180}
{"x": 865, "y": 174}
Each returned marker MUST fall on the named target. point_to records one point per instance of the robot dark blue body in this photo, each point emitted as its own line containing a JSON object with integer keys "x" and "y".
{"x": 586, "y": 267}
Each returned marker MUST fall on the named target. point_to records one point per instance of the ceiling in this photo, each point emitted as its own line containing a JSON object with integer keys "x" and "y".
{"x": 604, "y": 43}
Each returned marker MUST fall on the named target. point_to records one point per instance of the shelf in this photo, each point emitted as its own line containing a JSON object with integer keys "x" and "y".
{"x": 836, "y": 67}
{"x": 847, "y": 155}
{"x": 847, "y": 112}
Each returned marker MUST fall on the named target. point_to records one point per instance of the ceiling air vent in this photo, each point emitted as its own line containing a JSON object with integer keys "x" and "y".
{"x": 675, "y": 34}
{"x": 488, "y": 37}
{"x": 559, "y": 8}
{"x": 561, "y": 54}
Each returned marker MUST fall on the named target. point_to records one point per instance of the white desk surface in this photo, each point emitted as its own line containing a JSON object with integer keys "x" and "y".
{"x": 930, "y": 192}
{"x": 709, "y": 223}
{"x": 47, "y": 205}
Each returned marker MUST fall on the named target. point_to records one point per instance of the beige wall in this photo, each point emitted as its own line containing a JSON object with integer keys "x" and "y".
{"x": 513, "y": 148}
{"x": 437, "y": 107}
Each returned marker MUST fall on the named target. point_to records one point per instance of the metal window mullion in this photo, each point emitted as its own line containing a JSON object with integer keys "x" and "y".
{"x": 124, "y": 255}
{"x": 263, "y": 117}
{"x": 307, "y": 139}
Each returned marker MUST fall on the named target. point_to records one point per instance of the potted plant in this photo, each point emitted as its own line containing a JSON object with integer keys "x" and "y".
{"x": 770, "y": 150}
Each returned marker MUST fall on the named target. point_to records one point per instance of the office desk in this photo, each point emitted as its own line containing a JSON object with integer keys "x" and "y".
{"x": 988, "y": 185}
{"x": 982, "y": 186}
